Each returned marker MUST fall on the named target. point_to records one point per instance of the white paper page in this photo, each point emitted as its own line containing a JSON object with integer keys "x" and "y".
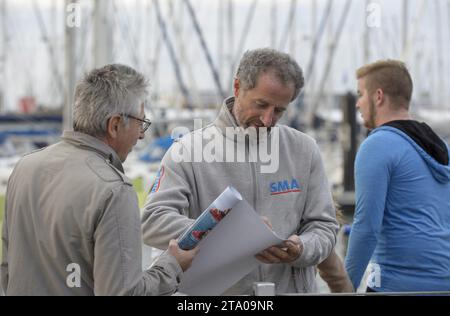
{"x": 227, "y": 253}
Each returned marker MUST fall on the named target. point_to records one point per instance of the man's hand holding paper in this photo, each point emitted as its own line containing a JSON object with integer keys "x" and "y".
{"x": 288, "y": 252}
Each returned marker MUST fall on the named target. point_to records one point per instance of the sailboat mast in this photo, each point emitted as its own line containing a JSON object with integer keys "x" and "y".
{"x": 230, "y": 30}
{"x": 328, "y": 66}
{"x": 3, "y": 51}
{"x": 290, "y": 26}
{"x": 70, "y": 65}
{"x": 448, "y": 17}
{"x": 172, "y": 55}
{"x": 293, "y": 28}
{"x": 366, "y": 37}
{"x": 103, "y": 33}
{"x": 177, "y": 26}
{"x": 405, "y": 10}
{"x": 273, "y": 25}
{"x": 243, "y": 39}
{"x": 220, "y": 39}
{"x": 440, "y": 58}
{"x": 205, "y": 49}
{"x": 312, "y": 77}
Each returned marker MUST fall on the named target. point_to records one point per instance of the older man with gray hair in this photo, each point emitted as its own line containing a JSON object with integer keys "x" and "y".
{"x": 72, "y": 223}
{"x": 294, "y": 198}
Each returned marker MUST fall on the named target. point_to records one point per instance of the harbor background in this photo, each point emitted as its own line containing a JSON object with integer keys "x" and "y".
{"x": 189, "y": 49}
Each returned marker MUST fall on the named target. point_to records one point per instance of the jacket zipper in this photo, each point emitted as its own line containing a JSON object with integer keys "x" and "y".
{"x": 255, "y": 194}
{"x": 255, "y": 200}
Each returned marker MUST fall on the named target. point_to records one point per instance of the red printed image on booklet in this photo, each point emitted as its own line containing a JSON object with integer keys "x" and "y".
{"x": 209, "y": 218}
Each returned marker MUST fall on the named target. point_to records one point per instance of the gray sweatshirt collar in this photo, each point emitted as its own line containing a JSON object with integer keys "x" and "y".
{"x": 225, "y": 118}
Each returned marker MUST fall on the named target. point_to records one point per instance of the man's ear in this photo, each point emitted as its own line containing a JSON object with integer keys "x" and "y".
{"x": 379, "y": 97}
{"x": 236, "y": 87}
{"x": 113, "y": 126}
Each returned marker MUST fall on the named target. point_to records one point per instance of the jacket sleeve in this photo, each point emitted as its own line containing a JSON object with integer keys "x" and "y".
{"x": 118, "y": 251}
{"x": 372, "y": 174}
{"x": 318, "y": 226}
{"x": 167, "y": 206}
{"x": 4, "y": 274}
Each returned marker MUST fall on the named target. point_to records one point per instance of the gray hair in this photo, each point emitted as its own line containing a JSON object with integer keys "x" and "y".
{"x": 255, "y": 62}
{"x": 104, "y": 92}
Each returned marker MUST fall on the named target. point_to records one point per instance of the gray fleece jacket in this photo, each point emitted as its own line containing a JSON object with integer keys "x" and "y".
{"x": 296, "y": 197}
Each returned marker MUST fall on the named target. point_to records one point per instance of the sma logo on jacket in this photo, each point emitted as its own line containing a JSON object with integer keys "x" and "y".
{"x": 284, "y": 187}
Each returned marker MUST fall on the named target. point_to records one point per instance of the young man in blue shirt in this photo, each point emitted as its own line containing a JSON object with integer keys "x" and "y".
{"x": 402, "y": 174}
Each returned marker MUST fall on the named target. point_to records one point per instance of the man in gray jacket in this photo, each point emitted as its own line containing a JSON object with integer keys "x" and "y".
{"x": 292, "y": 193}
{"x": 72, "y": 224}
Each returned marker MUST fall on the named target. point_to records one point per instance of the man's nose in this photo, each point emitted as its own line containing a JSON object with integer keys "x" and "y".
{"x": 142, "y": 135}
{"x": 267, "y": 117}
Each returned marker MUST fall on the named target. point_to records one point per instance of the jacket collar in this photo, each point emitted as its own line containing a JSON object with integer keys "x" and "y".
{"x": 225, "y": 118}
{"x": 89, "y": 142}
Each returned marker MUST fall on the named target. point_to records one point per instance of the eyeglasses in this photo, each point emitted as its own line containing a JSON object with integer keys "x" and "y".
{"x": 145, "y": 122}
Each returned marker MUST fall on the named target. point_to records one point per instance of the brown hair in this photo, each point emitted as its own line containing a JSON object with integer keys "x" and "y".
{"x": 339, "y": 214}
{"x": 392, "y": 77}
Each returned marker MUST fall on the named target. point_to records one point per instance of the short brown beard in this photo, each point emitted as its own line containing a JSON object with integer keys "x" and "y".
{"x": 372, "y": 114}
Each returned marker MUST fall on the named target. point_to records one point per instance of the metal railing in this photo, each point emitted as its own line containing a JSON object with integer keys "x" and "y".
{"x": 268, "y": 289}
